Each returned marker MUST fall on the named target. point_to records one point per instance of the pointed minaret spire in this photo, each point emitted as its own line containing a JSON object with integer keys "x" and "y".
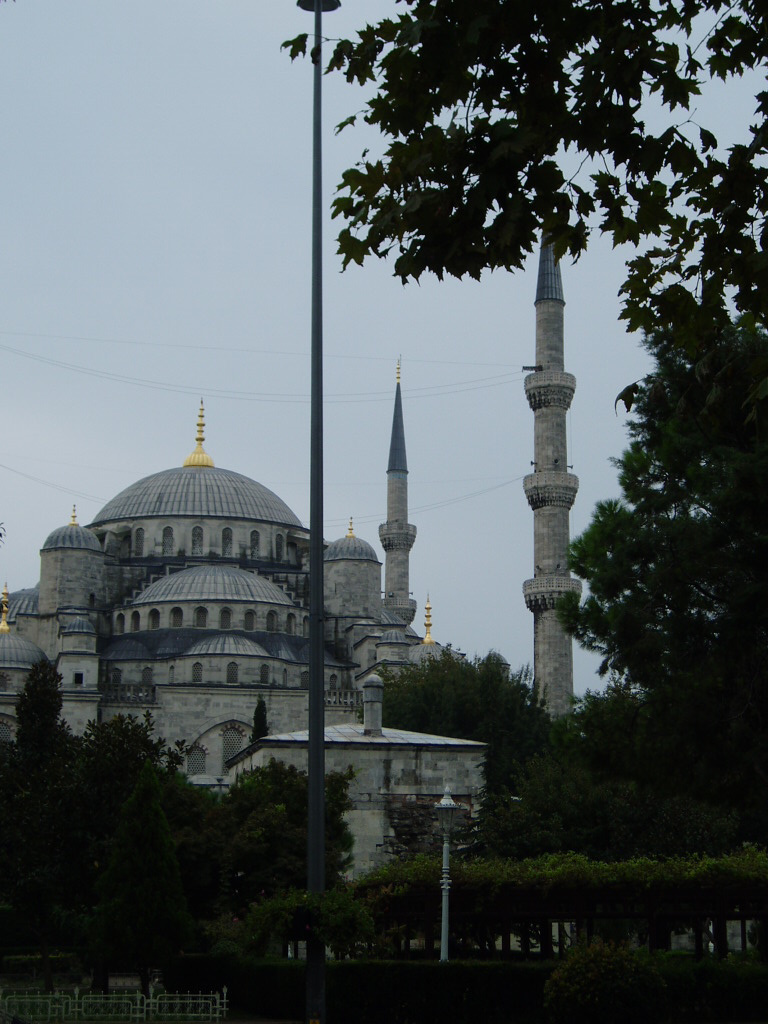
{"x": 428, "y": 623}
{"x": 397, "y": 534}
{"x": 199, "y": 458}
{"x": 4, "y": 627}
{"x": 551, "y": 491}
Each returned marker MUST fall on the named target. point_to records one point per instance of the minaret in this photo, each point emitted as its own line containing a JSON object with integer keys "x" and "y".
{"x": 397, "y": 534}
{"x": 550, "y": 491}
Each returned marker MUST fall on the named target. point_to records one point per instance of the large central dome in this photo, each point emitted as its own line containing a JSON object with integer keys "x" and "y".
{"x": 198, "y": 493}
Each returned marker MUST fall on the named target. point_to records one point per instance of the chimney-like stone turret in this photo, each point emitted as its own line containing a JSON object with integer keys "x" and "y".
{"x": 551, "y": 491}
{"x": 397, "y": 534}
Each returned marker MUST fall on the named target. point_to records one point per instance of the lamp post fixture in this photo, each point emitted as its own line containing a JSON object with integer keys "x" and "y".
{"x": 315, "y": 974}
{"x": 446, "y": 812}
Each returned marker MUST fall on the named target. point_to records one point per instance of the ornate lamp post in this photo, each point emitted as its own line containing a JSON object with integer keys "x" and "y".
{"x": 315, "y": 986}
{"x": 446, "y": 812}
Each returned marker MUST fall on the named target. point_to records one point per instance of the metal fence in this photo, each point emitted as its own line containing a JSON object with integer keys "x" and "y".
{"x": 116, "y": 1007}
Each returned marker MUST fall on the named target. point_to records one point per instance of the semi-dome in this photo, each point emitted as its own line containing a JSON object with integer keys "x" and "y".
{"x": 18, "y": 652}
{"x": 231, "y": 644}
{"x": 197, "y": 492}
{"x": 23, "y": 602}
{"x": 351, "y": 547}
{"x": 204, "y": 583}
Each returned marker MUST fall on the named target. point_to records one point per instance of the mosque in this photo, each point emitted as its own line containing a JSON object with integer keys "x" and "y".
{"x": 187, "y": 596}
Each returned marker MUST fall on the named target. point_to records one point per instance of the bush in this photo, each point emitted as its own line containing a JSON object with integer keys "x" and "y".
{"x": 601, "y": 983}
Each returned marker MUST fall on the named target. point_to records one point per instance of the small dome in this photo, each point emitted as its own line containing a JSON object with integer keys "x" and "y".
{"x": 23, "y": 602}
{"x": 229, "y": 644}
{"x": 72, "y": 536}
{"x": 392, "y": 636}
{"x": 420, "y": 653}
{"x": 78, "y": 625}
{"x": 204, "y": 583}
{"x": 18, "y": 652}
{"x": 351, "y": 548}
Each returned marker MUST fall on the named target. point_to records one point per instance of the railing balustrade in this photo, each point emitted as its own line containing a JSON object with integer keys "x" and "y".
{"x": 39, "y": 1007}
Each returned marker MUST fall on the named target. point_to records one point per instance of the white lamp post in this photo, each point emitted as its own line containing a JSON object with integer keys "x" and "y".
{"x": 446, "y": 812}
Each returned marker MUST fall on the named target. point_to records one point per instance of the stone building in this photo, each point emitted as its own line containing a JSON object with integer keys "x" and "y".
{"x": 399, "y": 776}
{"x": 187, "y": 596}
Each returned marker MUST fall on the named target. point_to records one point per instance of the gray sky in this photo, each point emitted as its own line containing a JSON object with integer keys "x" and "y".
{"x": 155, "y": 248}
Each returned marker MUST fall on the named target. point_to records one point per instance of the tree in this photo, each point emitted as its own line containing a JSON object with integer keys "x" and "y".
{"x": 474, "y": 700}
{"x": 41, "y": 838}
{"x": 260, "y": 724}
{"x": 505, "y": 120}
{"x": 678, "y": 594}
{"x": 142, "y": 917}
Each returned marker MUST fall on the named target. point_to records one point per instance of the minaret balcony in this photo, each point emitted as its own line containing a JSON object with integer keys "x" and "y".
{"x": 394, "y": 536}
{"x": 547, "y": 388}
{"x": 543, "y": 592}
{"x": 550, "y": 489}
{"x": 404, "y": 608}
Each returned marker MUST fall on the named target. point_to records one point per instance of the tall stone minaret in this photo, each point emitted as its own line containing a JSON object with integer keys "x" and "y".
{"x": 550, "y": 491}
{"x": 397, "y": 534}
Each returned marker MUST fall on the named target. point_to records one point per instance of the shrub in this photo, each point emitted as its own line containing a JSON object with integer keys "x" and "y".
{"x": 601, "y": 983}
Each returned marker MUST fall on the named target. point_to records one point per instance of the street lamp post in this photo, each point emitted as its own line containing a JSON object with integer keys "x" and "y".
{"x": 446, "y": 812}
{"x": 315, "y": 976}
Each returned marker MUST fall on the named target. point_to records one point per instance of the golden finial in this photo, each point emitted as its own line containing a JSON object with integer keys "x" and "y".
{"x": 398, "y": 370}
{"x": 428, "y": 623}
{"x": 350, "y": 531}
{"x": 73, "y": 521}
{"x": 4, "y": 627}
{"x": 199, "y": 459}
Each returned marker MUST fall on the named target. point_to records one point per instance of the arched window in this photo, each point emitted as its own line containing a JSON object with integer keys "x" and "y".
{"x": 117, "y": 676}
{"x": 225, "y": 618}
{"x": 154, "y": 619}
{"x": 306, "y": 625}
{"x": 264, "y": 674}
{"x": 290, "y": 624}
{"x": 232, "y": 673}
{"x": 168, "y": 540}
{"x": 196, "y": 760}
{"x": 120, "y": 623}
{"x": 171, "y": 674}
{"x": 254, "y": 543}
{"x": 271, "y": 622}
{"x": 279, "y": 547}
{"x": 305, "y": 679}
{"x": 333, "y": 682}
{"x": 250, "y": 620}
{"x": 138, "y": 543}
{"x": 197, "y": 672}
{"x": 285, "y": 677}
{"x": 6, "y": 736}
{"x": 231, "y": 743}
{"x": 197, "y": 540}
{"x": 135, "y": 622}
{"x": 226, "y": 542}
{"x": 177, "y": 618}
{"x": 201, "y": 618}
{"x": 146, "y": 675}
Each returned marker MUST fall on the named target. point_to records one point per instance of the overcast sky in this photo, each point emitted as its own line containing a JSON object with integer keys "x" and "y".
{"x": 155, "y": 248}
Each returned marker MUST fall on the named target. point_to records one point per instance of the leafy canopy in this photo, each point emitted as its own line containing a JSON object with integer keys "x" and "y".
{"x": 678, "y": 602}
{"x": 505, "y": 118}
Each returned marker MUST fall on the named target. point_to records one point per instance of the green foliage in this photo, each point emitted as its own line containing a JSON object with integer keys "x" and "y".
{"x": 562, "y": 807}
{"x": 678, "y": 596}
{"x": 502, "y": 121}
{"x": 336, "y": 917}
{"x": 142, "y": 917}
{"x": 475, "y": 700}
{"x": 260, "y": 724}
{"x": 602, "y": 983}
